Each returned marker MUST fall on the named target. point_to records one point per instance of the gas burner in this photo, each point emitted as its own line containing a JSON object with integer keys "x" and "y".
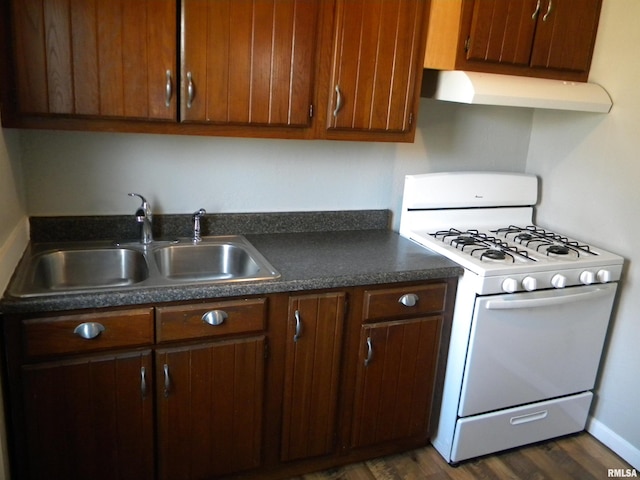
{"x": 494, "y": 254}
{"x": 463, "y": 241}
{"x": 558, "y": 250}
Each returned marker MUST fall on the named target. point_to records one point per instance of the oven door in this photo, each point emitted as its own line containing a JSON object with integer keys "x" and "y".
{"x": 531, "y": 346}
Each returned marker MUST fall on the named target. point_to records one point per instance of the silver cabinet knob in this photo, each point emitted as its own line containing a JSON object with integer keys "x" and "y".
{"x": 409, "y": 300}
{"x": 89, "y": 330}
{"x": 215, "y": 317}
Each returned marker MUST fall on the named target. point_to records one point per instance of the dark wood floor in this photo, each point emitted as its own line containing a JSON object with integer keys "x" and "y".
{"x": 575, "y": 457}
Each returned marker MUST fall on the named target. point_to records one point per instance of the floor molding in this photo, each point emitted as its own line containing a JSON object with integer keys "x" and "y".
{"x": 614, "y": 441}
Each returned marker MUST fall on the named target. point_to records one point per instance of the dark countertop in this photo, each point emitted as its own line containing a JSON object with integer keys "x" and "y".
{"x": 306, "y": 261}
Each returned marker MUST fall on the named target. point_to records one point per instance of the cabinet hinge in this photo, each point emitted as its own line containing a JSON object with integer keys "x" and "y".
{"x": 410, "y": 118}
{"x": 266, "y": 348}
{"x": 311, "y": 111}
{"x": 467, "y": 44}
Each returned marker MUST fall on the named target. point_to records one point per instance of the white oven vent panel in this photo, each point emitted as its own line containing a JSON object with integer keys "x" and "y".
{"x": 469, "y": 190}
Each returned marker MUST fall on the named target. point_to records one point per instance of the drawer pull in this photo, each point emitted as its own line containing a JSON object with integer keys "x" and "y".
{"x": 215, "y": 317}
{"x": 298, "y": 333}
{"x": 89, "y": 330}
{"x": 143, "y": 381}
{"x": 167, "y": 380}
{"x": 529, "y": 417}
{"x": 369, "y": 352}
{"x": 409, "y": 300}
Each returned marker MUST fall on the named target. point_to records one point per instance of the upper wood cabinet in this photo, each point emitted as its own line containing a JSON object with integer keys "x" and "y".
{"x": 248, "y": 63}
{"x": 328, "y": 69}
{"x": 376, "y": 65}
{"x": 95, "y": 58}
{"x": 542, "y": 38}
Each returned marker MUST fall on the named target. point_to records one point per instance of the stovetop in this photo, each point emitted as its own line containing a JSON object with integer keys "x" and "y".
{"x": 484, "y": 222}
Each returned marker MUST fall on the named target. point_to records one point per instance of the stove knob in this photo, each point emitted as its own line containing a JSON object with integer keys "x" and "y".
{"x": 558, "y": 281}
{"x": 529, "y": 284}
{"x": 603, "y": 276}
{"x": 510, "y": 285}
{"x": 587, "y": 277}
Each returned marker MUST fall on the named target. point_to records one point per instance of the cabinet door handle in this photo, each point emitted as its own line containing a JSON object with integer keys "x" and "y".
{"x": 143, "y": 381}
{"x": 537, "y": 10}
{"x": 369, "y": 352}
{"x": 298, "y": 333}
{"x": 191, "y": 90}
{"x": 168, "y": 90}
{"x": 215, "y": 317}
{"x": 549, "y": 7}
{"x": 409, "y": 299}
{"x": 167, "y": 380}
{"x": 338, "y": 101}
{"x": 89, "y": 330}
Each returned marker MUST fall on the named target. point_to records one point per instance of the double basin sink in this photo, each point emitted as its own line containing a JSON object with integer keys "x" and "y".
{"x": 86, "y": 267}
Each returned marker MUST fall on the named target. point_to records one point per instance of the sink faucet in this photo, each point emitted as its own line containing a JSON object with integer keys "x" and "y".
{"x": 196, "y": 224}
{"x": 144, "y": 217}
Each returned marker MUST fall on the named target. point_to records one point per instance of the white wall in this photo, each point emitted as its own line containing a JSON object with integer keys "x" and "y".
{"x": 590, "y": 189}
{"x": 78, "y": 173}
{"x": 13, "y": 238}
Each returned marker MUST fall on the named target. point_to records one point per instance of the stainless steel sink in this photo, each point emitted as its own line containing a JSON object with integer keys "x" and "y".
{"x": 223, "y": 261}
{"x": 80, "y": 267}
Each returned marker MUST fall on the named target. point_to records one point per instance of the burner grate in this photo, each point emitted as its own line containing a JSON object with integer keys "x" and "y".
{"x": 544, "y": 241}
{"x": 481, "y": 245}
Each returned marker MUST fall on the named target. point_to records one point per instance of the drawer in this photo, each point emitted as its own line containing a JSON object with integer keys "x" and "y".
{"x": 211, "y": 319}
{"x": 513, "y": 427}
{"x": 418, "y": 300}
{"x": 64, "y": 334}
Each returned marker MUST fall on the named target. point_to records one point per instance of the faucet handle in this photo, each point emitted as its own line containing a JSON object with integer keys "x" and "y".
{"x": 200, "y": 213}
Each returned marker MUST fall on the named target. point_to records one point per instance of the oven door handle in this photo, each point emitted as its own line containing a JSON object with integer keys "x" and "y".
{"x": 506, "y": 304}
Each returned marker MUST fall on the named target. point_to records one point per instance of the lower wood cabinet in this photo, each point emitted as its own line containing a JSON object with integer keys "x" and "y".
{"x": 312, "y": 372}
{"x": 210, "y": 404}
{"x": 89, "y": 418}
{"x": 394, "y": 383}
{"x": 262, "y": 387}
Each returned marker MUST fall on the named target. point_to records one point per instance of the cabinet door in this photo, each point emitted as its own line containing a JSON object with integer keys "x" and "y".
{"x": 210, "y": 408}
{"x": 376, "y": 64}
{"x": 90, "y": 418}
{"x": 111, "y": 58}
{"x": 394, "y": 384}
{"x": 247, "y": 62}
{"x": 566, "y": 34}
{"x": 502, "y": 31}
{"x": 314, "y": 343}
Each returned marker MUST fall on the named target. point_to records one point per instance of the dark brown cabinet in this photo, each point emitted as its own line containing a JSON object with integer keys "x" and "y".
{"x": 84, "y": 412}
{"x": 263, "y": 387}
{"x": 335, "y": 69}
{"x": 90, "y": 418}
{"x": 210, "y": 395}
{"x": 91, "y": 58}
{"x": 376, "y": 66}
{"x": 313, "y": 362}
{"x": 544, "y": 38}
{"x": 398, "y": 349}
{"x": 210, "y": 403}
{"x": 247, "y": 62}
{"x": 394, "y": 384}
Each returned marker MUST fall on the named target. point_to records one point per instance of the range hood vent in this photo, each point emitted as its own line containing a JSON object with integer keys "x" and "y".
{"x": 508, "y": 90}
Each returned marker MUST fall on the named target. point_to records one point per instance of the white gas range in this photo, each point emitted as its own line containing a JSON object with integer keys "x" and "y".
{"x": 531, "y": 314}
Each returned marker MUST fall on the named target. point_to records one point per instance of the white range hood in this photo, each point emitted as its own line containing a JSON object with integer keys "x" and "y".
{"x": 508, "y": 90}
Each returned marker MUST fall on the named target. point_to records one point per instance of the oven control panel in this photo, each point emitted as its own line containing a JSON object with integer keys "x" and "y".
{"x": 529, "y": 282}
